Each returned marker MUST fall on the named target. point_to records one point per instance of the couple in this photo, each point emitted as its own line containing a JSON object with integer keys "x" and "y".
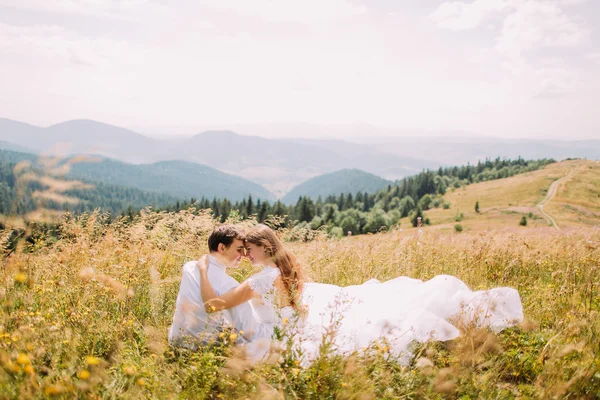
{"x": 400, "y": 311}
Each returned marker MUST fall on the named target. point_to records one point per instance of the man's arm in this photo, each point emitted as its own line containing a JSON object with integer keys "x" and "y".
{"x": 214, "y": 302}
{"x": 242, "y": 318}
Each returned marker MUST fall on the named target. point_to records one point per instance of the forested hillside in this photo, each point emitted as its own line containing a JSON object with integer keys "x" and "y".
{"x": 32, "y": 190}
{"x": 344, "y": 181}
{"x": 368, "y": 213}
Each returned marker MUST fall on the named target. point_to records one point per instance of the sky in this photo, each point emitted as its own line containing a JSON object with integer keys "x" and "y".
{"x": 511, "y": 68}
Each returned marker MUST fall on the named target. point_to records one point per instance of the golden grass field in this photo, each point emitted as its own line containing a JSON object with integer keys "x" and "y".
{"x": 86, "y": 315}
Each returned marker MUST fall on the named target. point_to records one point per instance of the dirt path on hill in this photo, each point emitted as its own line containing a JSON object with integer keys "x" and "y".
{"x": 549, "y": 196}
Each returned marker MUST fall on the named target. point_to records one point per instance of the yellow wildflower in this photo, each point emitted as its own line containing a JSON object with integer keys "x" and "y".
{"x": 84, "y": 374}
{"x": 53, "y": 390}
{"x": 21, "y": 277}
{"x": 23, "y": 359}
{"x": 13, "y": 367}
{"x": 91, "y": 360}
{"x": 141, "y": 382}
{"x": 29, "y": 369}
{"x": 233, "y": 336}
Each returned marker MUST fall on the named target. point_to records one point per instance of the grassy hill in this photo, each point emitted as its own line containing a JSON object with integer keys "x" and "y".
{"x": 503, "y": 202}
{"x": 344, "y": 181}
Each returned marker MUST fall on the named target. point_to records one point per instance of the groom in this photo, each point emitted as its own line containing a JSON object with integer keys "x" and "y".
{"x": 191, "y": 323}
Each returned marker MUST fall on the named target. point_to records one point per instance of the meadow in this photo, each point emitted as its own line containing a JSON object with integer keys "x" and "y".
{"x": 85, "y": 313}
{"x": 504, "y": 201}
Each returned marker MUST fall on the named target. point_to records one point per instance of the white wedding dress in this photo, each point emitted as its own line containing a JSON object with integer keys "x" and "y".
{"x": 398, "y": 312}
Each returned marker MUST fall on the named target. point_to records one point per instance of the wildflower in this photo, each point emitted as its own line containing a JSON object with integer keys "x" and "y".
{"x": 53, "y": 390}
{"x": 29, "y": 369}
{"x": 233, "y": 336}
{"x": 130, "y": 370}
{"x": 84, "y": 374}
{"x": 13, "y": 367}
{"x": 91, "y": 360}
{"x": 21, "y": 277}
{"x": 23, "y": 359}
{"x": 141, "y": 382}
{"x": 285, "y": 321}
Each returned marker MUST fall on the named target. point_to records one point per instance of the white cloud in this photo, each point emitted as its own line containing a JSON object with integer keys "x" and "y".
{"x": 106, "y": 8}
{"x": 59, "y": 46}
{"x": 460, "y": 15}
{"x": 526, "y": 23}
{"x": 554, "y": 82}
{"x": 305, "y": 11}
{"x": 594, "y": 57}
{"x": 538, "y": 24}
{"x": 572, "y": 2}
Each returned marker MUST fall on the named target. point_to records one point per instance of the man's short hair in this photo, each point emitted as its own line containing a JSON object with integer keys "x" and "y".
{"x": 225, "y": 234}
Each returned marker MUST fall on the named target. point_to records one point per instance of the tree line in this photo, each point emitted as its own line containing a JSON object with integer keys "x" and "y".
{"x": 363, "y": 212}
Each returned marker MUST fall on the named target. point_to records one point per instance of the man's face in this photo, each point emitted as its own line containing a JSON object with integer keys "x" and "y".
{"x": 233, "y": 254}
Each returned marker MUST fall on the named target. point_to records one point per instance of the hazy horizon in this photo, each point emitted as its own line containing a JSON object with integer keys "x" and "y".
{"x": 346, "y": 69}
{"x": 351, "y": 133}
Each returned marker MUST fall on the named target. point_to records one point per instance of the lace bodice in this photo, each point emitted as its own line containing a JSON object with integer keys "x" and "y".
{"x": 266, "y": 308}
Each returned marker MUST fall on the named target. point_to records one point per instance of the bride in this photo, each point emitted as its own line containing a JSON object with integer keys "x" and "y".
{"x": 400, "y": 311}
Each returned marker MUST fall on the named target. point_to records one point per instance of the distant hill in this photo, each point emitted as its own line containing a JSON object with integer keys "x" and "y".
{"x": 504, "y": 202}
{"x": 19, "y": 199}
{"x": 177, "y": 179}
{"x": 458, "y": 150}
{"x": 344, "y": 181}
{"x": 277, "y": 164}
{"x": 14, "y": 147}
{"x": 181, "y": 179}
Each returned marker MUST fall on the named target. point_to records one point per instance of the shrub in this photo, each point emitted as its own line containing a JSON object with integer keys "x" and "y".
{"x": 523, "y": 221}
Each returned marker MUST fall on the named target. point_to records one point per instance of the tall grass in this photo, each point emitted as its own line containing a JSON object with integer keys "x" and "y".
{"x": 86, "y": 314}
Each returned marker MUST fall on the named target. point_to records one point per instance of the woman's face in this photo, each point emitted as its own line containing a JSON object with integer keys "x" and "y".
{"x": 256, "y": 254}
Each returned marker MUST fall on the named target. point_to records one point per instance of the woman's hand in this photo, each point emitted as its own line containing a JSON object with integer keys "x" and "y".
{"x": 202, "y": 263}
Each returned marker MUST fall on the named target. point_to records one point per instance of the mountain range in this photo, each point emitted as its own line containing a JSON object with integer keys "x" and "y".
{"x": 277, "y": 164}
{"x": 280, "y": 164}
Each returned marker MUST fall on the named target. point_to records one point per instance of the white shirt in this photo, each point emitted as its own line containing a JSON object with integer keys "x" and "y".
{"x": 191, "y": 320}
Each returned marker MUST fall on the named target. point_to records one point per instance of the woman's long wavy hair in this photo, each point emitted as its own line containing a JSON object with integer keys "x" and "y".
{"x": 291, "y": 272}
